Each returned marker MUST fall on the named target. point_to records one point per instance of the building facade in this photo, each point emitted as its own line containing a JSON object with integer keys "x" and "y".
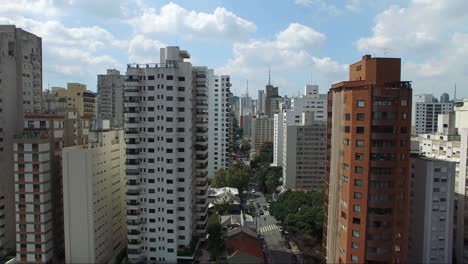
{"x": 20, "y": 93}
{"x": 219, "y": 122}
{"x": 431, "y": 198}
{"x": 94, "y": 196}
{"x": 271, "y": 92}
{"x": 262, "y": 131}
{"x": 304, "y": 154}
{"x": 77, "y": 99}
{"x": 426, "y": 110}
{"x": 368, "y": 165}
{"x": 261, "y": 102}
{"x": 110, "y": 89}
{"x": 166, "y": 130}
{"x": 38, "y": 183}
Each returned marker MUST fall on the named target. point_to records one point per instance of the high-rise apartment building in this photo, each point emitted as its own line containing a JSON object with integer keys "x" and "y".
{"x": 20, "y": 93}
{"x": 219, "y": 122}
{"x": 368, "y": 165}
{"x": 304, "y": 154}
{"x": 94, "y": 197}
{"x": 77, "y": 98}
{"x": 110, "y": 103}
{"x": 166, "y": 129}
{"x": 310, "y": 101}
{"x": 431, "y": 197}
{"x": 38, "y": 184}
{"x": 262, "y": 131}
{"x": 426, "y": 110}
{"x": 271, "y": 105}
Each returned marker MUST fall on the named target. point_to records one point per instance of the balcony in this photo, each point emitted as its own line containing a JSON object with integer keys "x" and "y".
{"x": 132, "y": 162}
{"x": 201, "y": 147}
{"x": 201, "y": 157}
{"x": 201, "y": 139}
{"x": 202, "y": 166}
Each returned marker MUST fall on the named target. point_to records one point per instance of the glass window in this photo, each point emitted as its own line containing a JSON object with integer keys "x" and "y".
{"x": 360, "y": 116}
{"x": 356, "y": 208}
{"x": 359, "y": 143}
{"x": 355, "y": 233}
{"x": 360, "y": 103}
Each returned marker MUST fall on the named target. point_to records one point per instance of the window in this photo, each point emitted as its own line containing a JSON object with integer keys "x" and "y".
{"x": 169, "y": 77}
{"x": 181, "y": 78}
{"x": 358, "y": 169}
{"x": 360, "y": 130}
{"x": 354, "y": 245}
{"x": 356, "y": 221}
{"x": 150, "y": 77}
{"x": 347, "y": 129}
{"x": 404, "y": 102}
{"x": 355, "y": 233}
{"x": 359, "y": 156}
{"x": 356, "y": 208}
{"x": 359, "y": 143}
{"x": 360, "y": 116}
{"x": 357, "y": 195}
{"x": 347, "y": 117}
{"x": 346, "y": 142}
{"x": 357, "y": 182}
{"x": 354, "y": 258}
{"x": 360, "y": 103}
{"x": 181, "y": 89}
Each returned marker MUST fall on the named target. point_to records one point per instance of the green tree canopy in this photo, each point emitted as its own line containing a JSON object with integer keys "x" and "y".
{"x": 236, "y": 175}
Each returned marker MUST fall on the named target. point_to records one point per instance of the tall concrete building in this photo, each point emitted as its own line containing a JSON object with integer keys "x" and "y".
{"x": 271, "y": 105}
{"x": 94, "y": 196}
{"x": 262, "y": 131}
{"x": 166, "y": 129}
{"x": 110, "y": 89}
{"x": 304, "y": 154}
{"x": 261, "y": 102}
{"x": 20, "y": 93}
{"x": 368, "y": 165}
{"x": 426, "y": 110}
{"x": 430, "y": 235}
{"x": 219, "y": 122}
{"x": 310, "y": 101}
{"x": 38, "y": 184}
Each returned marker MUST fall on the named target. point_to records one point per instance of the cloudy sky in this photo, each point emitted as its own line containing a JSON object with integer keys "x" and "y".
{"x": 302, "y": 40}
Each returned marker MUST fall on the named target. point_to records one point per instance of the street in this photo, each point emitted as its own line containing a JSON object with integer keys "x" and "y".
{"x": 269, "y": 229}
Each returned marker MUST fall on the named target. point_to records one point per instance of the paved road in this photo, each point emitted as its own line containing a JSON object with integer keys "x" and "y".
{"x": 268, "y": 227}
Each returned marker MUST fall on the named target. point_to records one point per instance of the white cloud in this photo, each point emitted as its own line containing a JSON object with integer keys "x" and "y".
{"x": 321, "y": 5}
{"x": 427, "y": 34}
{"x": 33, "y": 7}
{"x": 144, "y": 50}
{"x": 286, "y": 52}
{"x": 175, "y": 19}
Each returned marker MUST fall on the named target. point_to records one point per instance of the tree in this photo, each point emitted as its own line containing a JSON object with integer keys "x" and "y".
{"x": 300, "y": 212}
{"x": 215, "y": 241}
{"x": 236, "y": 175}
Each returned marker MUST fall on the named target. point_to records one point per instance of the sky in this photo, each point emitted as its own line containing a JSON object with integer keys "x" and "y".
{"x": 302, "y": 41}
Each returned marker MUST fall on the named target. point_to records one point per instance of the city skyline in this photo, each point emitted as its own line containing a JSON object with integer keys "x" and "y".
{"x": 302, "y": 40}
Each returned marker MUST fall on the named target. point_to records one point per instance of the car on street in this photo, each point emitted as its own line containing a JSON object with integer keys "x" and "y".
{"x": 253, "y": 190}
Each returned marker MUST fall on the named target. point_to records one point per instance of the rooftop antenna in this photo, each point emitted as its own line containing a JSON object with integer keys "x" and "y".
{"x": 247, "y": 89}
{"x": 269, "y": 75}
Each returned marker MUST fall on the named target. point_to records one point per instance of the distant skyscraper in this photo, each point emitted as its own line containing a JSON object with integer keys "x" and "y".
{"x": 166, "y": 113}
{"x": 261, "y": 102}
{"x": 444, "y": 98}
{"x": 94, "y": 196}
{"x": 20, "y": 93}
{"x": 431, "y": 210}
{"x": 271, "y": 92}
{"x": 110, "y": 89}
{"x": 368, "y": 165}
{"x": 427, "y": 109}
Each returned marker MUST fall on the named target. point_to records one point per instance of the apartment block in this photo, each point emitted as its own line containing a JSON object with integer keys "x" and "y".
{"x": 38, "y": 183}
{"x": 261, "y": 102}
{"x": 20, "y": 93}
{"x": 262, "y": 131}
{"x": 77, "y": 98}
{"x": 304, "y": 154}
{"x": 110, "y": 103}
{"x": 310, "y": 101}
{"x": 219, "y": 122}
{"x": 431, "y": 199}
{"x": 368, "y": 165}
{"x": 166, "y": 130}
{"x": 272, "y": 99}
{"x": 94, "y": 198}
{"x": 426, "y": 110}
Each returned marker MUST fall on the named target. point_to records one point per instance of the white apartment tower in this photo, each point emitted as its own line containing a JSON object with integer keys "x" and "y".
{"x": 219, "y": 122}
{"x": 166, "y": 131}
{"x": 305, "y": 154}
{"x": 94, "y": 196}
{"x": 426, "y": 110}
{"x": 20, "y": 93}
{"x": 310, "y": 101}
{"x": 110, "y": 87}
{"x": 430, "y": 235}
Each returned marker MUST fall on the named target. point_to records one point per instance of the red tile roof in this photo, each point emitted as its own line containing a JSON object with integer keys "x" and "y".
{"x": 243, "y": 243}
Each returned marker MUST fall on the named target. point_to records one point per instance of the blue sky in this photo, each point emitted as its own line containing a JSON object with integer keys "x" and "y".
{"x": 302, "y": 40}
